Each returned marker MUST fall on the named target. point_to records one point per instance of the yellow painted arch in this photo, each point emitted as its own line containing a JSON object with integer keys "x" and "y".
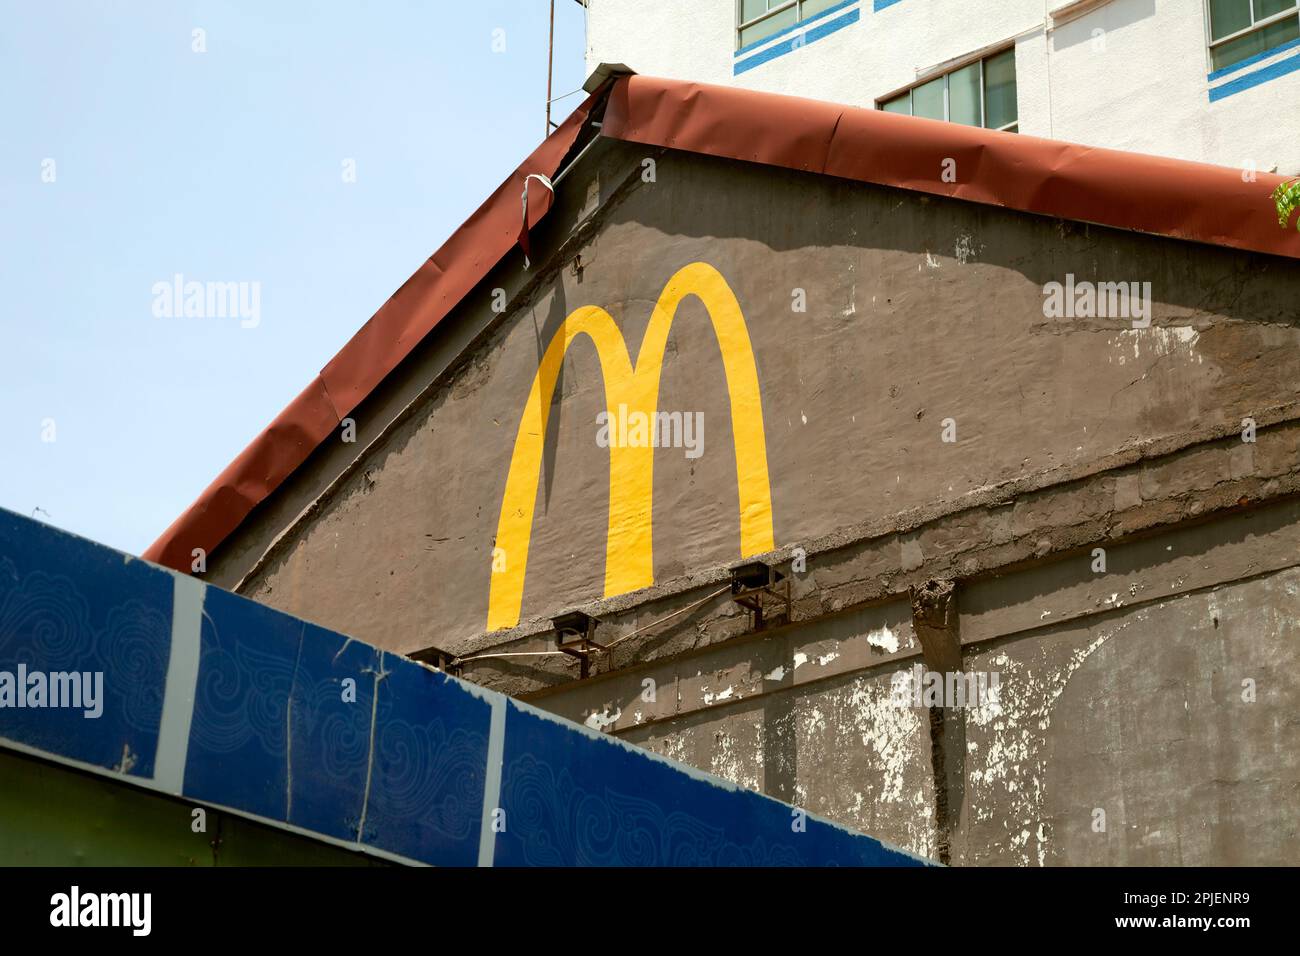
{"x": 629, "y": 556}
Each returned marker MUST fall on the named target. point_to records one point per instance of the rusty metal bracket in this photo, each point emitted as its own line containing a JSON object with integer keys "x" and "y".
{"x": 760, "y": 589}
{"x": 582, "y": 644}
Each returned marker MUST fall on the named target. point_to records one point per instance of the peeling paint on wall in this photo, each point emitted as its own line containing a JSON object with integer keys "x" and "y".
{"x": 601, "y": 720}
{"x": 883, "y": 638}
{"x": 1009, "y": 774}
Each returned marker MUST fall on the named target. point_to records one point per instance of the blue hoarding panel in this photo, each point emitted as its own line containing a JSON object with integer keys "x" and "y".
{"x": 220, "y": 700}
{"x": 238, "y": 752}
{"x": 85, "y": 635}
{"x": 329, "y": 732}
{"x": 426, "y": 792}
{"x": 575, "y": 798}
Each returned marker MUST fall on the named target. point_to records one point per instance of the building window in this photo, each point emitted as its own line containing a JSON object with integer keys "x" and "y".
{"x": 758, "y": 19}
{"x": 982, "y": 93}
{"x": 1240, "y": 29}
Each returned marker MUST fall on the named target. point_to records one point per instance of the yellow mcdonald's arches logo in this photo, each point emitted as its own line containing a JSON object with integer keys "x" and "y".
{"x": 629, "y": 558}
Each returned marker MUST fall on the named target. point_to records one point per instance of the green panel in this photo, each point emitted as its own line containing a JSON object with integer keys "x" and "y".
{"x": 1275, "y": 34}
{"x": 1228, "y": 16}
{"x": 927, "y": 100}
{"x": 964, "y": 95}
{"x": 53, "y": 816}
{"x": 813, "y": 7}
{"x": 1000, "y": 107}
{"x": 1266, "y": 8}
{"x": 765, "y": 28}
{"x": 899, "y": 104}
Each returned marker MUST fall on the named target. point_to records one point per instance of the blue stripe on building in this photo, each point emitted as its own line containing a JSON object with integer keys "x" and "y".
{"x": 1270, "y": 72}
{"x": 797, "y": 26}
{"x": 788, "y": 46}
{"x": 1252, "y": 60}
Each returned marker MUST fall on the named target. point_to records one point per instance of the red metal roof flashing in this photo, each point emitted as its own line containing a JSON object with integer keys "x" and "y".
{"x": 1170, "y": 197}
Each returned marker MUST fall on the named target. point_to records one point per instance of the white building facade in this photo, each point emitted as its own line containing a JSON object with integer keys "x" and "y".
{"x": 1214, "y": 81}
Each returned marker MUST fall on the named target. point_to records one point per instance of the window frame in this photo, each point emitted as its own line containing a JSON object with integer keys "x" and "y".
{"x": 1255, "y": 25}
{"x": 768, "y": 14}
{"x": 1012, "y": 127}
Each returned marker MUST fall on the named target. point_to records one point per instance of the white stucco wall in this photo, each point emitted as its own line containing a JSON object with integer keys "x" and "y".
{"x": 1140, "y": 84}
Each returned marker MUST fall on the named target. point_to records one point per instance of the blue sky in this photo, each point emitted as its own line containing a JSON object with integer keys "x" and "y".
{"x": 226, "y": 166}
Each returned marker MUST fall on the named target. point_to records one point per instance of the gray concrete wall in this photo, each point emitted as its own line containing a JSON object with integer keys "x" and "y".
{"x": 1143, "y": 714}
{"x": 1122, "y": 687}
{"x": 1160, "y": 692}
{"x": 919, "y": 310}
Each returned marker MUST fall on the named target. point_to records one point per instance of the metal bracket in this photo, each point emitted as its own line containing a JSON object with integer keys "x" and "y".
{"x": 581, "y": 643}
{"x": 758, "y": 588}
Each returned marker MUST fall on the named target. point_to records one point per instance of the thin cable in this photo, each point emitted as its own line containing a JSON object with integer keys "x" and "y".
{"x": 479, "y": 657}
{"x": 565, "y": 96}
{"x": 708, "y": 597}
{"x": 608, "y": 647}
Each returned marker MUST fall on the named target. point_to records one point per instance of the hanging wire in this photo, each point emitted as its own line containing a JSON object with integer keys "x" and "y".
{"x": 708, "y": 597}
{"x": 608, "y": 647}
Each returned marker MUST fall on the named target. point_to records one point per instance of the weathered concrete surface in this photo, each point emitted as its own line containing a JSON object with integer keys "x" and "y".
{"x": 837, "y": 747}
{"x": 1121, "y": 690}
{"x": 720, "y": 674}
{"x": 1074, "y": 438}
{"x": 1145, "y": 715}
{"x": 1006, "y": 532}
{"x": 918, "y": 311}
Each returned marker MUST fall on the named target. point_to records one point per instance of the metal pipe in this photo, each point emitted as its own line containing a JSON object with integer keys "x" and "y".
{"x": 565, "y": 171}
{"x": 550, "y": 56}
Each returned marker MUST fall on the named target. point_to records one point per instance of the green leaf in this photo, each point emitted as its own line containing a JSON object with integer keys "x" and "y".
{"x": 1287, "y": 198}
